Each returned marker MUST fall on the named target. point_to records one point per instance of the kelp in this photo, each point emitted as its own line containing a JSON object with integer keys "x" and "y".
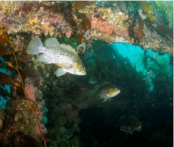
{"x": 139, "y": 34}
{"x": 147, "y": 9}
{"x": 79, "y": 4}
{"x": 5, "y": 79}
{"x": 86, "y": 25}
{"x": 73, "y": 142}
{"x": 4, "y": 46}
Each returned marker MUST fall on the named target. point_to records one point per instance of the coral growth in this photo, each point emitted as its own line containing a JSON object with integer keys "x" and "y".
{"x": 34, "y": 17}
{"x": 37, "y": 104}
{"x": 19, "y": 117}
{"x": 111, "y": 24}
{"x": 81, "y": 25}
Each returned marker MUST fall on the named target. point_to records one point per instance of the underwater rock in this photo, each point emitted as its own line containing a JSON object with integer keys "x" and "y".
{"x": 1, "y": 119}
{"x": 116, "y": 26}
{"x": 79, "y": 25}
{"x": 89, "y": 21}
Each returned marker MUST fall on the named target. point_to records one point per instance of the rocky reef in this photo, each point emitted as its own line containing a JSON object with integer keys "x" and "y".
{"x": 132, "y": 22}
{"x": 43, "y": 109}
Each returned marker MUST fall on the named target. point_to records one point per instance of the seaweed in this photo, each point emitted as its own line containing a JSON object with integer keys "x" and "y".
{"x": 73, "y": 142}
{"x": 86, "y": 25}
{"x": 5, "y": 79}
{"x": 139, "y": 34}
{"x": 79, "y": 4}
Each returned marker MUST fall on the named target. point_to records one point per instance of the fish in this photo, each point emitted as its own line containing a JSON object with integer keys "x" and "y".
{"x": 92, "y": 80}
{"x": 130, "y": 124}
{"x": 107, "y": 91}
{"x": 62, "y": 55}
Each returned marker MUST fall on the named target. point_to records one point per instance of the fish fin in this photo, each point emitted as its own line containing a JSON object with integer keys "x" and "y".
{"x": 96, "y": 87}
{"x": 59, "y": 72}
{"x": 67, "y": 48}
{"x": 131, "y": 132}
{"x": 126, "y": 129}
{"x": 139, "y": 130}
{"x": 43, "y": 58}
{"x": 52, "y": 43}
{"x": 34, "y": 45}
{"x": 105, "y": 99}
{"x": 106, "y": 83}
{"x": 64, "y": 65}
{"x": 109, "y": 99}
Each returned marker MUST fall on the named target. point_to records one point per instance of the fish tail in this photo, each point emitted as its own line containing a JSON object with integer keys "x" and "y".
{"x": 34, "y": 46}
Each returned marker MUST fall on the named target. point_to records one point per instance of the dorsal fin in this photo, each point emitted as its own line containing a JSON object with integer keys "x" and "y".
{"x": 106, "y": 83}
{"x": 52, "y": 43}
{"x": 67, "y": 48}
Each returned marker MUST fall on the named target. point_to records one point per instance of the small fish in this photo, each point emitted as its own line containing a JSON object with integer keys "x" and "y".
{"x": 131, "y": 124}
{"x": 107, "y": 91}
{"x": 62, "y": 55}
{"x": 92, "y": 80}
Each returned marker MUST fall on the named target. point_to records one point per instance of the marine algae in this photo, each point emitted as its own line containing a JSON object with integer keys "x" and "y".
{"x": 139, "y": 34}
{"x": 79, "y": 4}
{"x": 148, "y": 9}
{"x": 73, "y": 142}
{"x": 86, "y": 25}
{"x": 5, "y": 79}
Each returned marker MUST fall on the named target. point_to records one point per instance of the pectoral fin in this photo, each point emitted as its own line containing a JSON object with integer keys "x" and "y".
{"x": 59, "y": 72}
{"x": 126, "y": 129}
{"x": 43, "y": 58}
{"x": 105, "y": 99}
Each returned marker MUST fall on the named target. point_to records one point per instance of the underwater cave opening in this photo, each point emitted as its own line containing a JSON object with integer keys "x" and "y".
{"x": 100, "y": 124}
{"x": 149, "y": 62}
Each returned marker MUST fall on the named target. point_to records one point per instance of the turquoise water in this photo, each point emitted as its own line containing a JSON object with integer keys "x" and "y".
{"x": 146, "y": 65}
{"x": 6, "y": 88}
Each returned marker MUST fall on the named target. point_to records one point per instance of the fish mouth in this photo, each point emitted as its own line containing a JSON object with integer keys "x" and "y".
{"x": 82, "y": 74}
{"x": 117, "y": 92}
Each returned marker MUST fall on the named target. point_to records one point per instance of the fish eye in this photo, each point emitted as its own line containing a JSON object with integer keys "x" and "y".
{"x": 83, "y": 68}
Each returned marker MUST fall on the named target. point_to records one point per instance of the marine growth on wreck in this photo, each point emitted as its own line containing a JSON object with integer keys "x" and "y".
{"x": 86, "y": 73}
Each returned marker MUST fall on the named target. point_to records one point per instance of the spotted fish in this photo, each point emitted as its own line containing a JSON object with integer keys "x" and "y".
{"x": 62, "y": 55}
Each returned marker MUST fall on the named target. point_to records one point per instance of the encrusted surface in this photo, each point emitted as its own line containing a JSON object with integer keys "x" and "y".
{"x": 111, "y": 24}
